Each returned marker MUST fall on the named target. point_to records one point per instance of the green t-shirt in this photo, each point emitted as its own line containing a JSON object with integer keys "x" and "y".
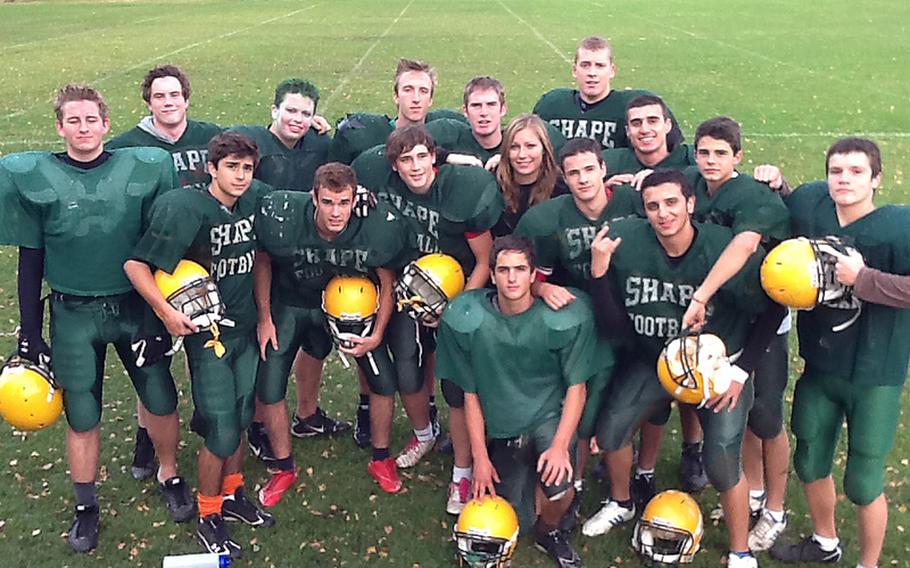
{"x": 603, "y": 121}
{"x": 519, "y": 366}
{"x": 457, "y": 136}
{"x": 86, "y": 220}
{"x": 358, "y": 132}
{"x": 288, "y": 168}
{"x": 656, "y": 290}
{"x": 193, "y": 225}
{"x": 741, "y": 204}
{"x": 562, "y": 235}
{"x": 874, "y": 350}
{"x": 303, "y": 262}
{"x": 190, "y": 152}
{"x": 624, "y": 161}
{"x": 462, "y": 200}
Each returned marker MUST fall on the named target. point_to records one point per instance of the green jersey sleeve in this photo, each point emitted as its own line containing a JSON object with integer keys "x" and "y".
{"x": 20, "y": 223}
{"x": 173, "y": 227}
{"x": 573, "y": 337}
{"x": 453, "y": 358}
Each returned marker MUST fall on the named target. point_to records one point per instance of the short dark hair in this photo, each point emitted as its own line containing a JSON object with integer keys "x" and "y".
{"x": 577, "y": 146}
{"x": 232, "y": 143}
{"x": 405, "y": 139}
{"x": 296, "y": 86}
{"x": 335, "y": 177}
{"x": 165, "y": 71}
{"x": 721, "y": 128}
{"x": 79, "y": 92}
{"x": 406, "y": 65}
{"x": 647, "y": 100}
{"x": 484, "y": 82}
{"x": 513, "y": 243}
{"x": 855, "y": 144}
{"x": 594, "y": 43}
{"x": 661, "y": 176}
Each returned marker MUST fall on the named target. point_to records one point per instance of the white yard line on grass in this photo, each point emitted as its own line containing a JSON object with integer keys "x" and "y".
{"x": 539, "y": 35}
{"x": 161, "y": 56}
{"x": 347, "y": 78}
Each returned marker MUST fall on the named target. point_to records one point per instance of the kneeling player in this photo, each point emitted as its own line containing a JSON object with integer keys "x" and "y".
{"x": 214, "y": 227}
{"x": 523, "y": 368}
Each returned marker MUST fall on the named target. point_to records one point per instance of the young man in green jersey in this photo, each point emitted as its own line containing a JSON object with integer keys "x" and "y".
{"x": 215, "y": 228}
{"x": 307, "y": 238}
{"x": 412, "y": 91}
{"x": 854, "y": 373}
{"x": 594, "y": 110}
{"x": 75, "y": 216}
{"x": 523, "y": 367}
{"x": 451, "y": 210}
{"x": 759, "y": 219}
{"x": 648, "y": 270}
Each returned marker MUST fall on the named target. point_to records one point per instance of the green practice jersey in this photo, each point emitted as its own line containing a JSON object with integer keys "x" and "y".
{"x": 603, "y": 121}
{"x": 190, "y": 152}
{"x": 519, "y": 366}
{"x": 624, "y": 161}
{"x": 562, "y": 235}
{"x": 86, "y": 220}
{"x": 194, "y": 225}
{"x": 742, "y": 204}
{"x": 358, "y": 132}
{"x": 287, "y": 168}
{"x": 457, "y": 136}
{"x": 875, "y": 348}
{"x": 303, "y": 262}
{"x": 656, "y": 290}
{"x": 462, "y": 200}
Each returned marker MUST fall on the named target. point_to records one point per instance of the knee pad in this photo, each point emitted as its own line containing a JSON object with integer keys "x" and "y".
{"x": 453, "y": 394}
{"x": 766, "y": 419}
{"x": 161, "y": 400}
{"x": 222, "y": 435}
{"x": 722, "y": 466}
{"x": 83, "y": 409}
{"x": 864, "y": 478}
{"x": 661, "y": 415}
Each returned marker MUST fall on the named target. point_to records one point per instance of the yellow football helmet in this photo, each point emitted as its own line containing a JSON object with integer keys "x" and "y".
{"x": 800, "y": 272}
{"x": 190, "y": 290}
{"x": 29, "y": 398}
{"x": 670, "y": 529}
{"x": 690, "y": 368}
{"x": 427, "y": 285}
{"x": 486, "y": 533}
{"x": 350, "y": 304}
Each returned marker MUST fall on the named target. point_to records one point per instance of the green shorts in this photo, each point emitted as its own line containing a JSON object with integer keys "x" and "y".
{"x": 515, "y": 460}
{"x": 81, "y": 329}
{"x": 821, "y": 403}
{"x": 296, "y": 328}
{"x": 223, "y": 388}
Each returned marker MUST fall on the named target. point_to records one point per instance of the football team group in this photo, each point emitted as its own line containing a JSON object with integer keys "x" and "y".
{"x": 568, "y": 278}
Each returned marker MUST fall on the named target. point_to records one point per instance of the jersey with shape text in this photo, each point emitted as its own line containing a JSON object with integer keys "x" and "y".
{"x": 624, "y": 161}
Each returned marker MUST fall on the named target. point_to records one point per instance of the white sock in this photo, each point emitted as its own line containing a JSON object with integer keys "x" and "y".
{"x": 826, "y": 544}
{"x": 459, "y": 473}
{"x": 858, "y": 565}
{"x": 778, "y": 516}
{"x": 756, "y": 493}
{"x": 640, "y": 471}
{"x": 424, "y": 435}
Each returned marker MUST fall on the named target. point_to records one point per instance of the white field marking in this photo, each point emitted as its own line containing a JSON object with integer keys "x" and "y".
{"x": 750, "y": 52}
{"x": 361, "y": 61}
{"x": 873, "y": 135}
{"x": 539, "y": 35}
{"x": 74, "y": 34}
{"x": 169, "y": 54}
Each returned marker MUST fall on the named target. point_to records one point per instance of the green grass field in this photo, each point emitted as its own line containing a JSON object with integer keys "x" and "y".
{"x": 796, "y": 75}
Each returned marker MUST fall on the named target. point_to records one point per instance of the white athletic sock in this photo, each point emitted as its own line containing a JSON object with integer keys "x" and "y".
{"x": 858, "y": 565}
{"x": 424, "y": 435}
{"x": 756, "y": 493}
{"x": 778, "y": 516}
{"x": 459, "y": 473}
{"x": 826, "y": 544}
{"x": 640, "y": 471}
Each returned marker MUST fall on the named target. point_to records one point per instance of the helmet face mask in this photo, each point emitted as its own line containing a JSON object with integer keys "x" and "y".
{"x": 427, "y": 285}
{"x": 670, "y": 529}
{"x": 190, "y": 290}
{"x": 486, "y": 533}
{"x": 350, "y": 304}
